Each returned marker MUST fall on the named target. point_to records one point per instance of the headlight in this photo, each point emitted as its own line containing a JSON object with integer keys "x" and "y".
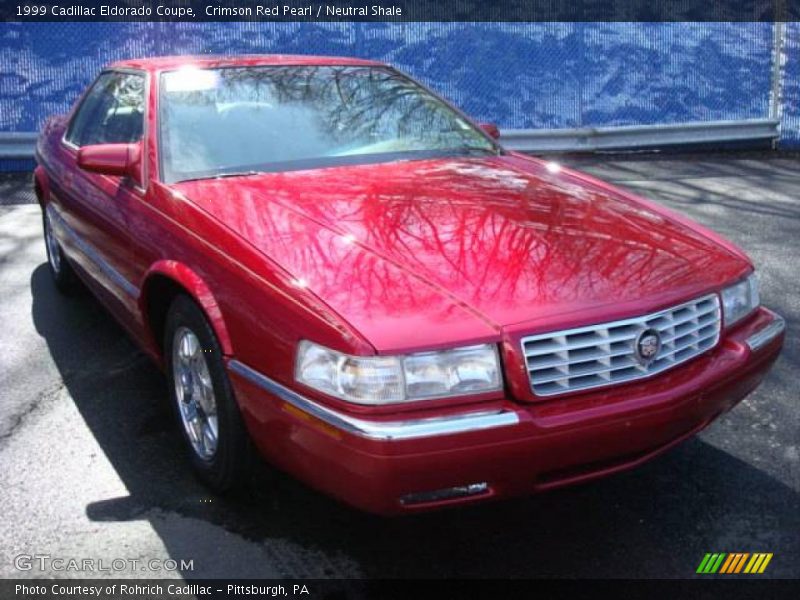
{"x": 739, "y": 300}
{"x": 391, "y": 379}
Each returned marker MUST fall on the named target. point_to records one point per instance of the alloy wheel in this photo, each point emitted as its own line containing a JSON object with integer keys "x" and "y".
{"x": 53, "y": 250}
{"x": 194, "y": 393}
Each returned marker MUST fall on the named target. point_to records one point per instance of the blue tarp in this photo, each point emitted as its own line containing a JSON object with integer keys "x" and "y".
{"x": 519, "y": 75}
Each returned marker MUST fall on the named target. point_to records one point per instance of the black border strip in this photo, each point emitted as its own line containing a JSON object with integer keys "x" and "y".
{"x": 712, "y": 588}
{"x": 400, "y": 10}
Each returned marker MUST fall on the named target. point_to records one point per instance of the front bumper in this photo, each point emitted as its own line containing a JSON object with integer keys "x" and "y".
{"x": 508, "y": 449}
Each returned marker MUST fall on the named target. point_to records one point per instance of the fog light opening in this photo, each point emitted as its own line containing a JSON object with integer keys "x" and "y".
{"x": 459, "y": 491}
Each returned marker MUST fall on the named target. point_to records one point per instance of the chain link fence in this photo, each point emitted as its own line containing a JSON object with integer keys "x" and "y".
{"x": 789, "y": 93}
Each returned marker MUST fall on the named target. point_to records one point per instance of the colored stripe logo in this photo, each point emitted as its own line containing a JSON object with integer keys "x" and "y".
{"x": 734, "y": 562}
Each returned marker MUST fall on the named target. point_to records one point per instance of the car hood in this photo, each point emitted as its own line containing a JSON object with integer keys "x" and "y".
{"x": 419, "y": 253}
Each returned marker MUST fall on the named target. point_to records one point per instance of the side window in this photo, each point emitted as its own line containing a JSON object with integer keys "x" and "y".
{"x": 111, "y": 113}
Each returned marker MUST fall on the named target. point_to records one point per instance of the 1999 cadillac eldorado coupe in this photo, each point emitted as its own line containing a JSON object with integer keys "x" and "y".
{"x": 337, "y": 268}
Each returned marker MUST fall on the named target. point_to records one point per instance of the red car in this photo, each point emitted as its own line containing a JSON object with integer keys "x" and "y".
{"x": 339, "y": 269}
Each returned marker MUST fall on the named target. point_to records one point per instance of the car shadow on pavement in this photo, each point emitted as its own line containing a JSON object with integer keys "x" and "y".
{"x": 656, "y": 521}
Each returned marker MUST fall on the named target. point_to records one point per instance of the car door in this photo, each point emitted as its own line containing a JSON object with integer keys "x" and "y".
{"x": 94, "y": 205}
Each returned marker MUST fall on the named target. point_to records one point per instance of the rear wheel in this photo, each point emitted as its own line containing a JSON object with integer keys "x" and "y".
{"x": 60, "y": 269}
{"x": 203, "y": 400}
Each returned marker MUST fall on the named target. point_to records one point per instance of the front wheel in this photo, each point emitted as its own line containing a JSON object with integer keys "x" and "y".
{"x": 203, "y": 400}
{"x": 60, "y": 269}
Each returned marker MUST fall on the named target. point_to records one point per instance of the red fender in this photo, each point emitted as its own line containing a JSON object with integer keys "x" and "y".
{"x": 198, "y": 290}
{"x": 41, "y": 180}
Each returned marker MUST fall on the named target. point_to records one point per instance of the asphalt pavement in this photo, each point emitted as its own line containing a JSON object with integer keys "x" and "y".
{"x": 92, "y": 466}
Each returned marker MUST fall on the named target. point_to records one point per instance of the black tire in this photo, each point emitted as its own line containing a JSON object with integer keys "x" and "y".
{"x": 60, "y": 269}
{"x": 229, "y": 466}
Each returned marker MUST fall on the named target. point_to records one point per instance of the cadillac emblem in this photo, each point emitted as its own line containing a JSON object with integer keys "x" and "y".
{"x": 646, "y": 346}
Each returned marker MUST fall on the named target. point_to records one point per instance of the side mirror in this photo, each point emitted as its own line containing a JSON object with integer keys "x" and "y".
{"x": 122, "y": 160}
{"x": 491, "y": 129}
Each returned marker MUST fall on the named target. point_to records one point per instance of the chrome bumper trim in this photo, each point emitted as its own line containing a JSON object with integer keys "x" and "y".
{"x": 765, "y": 336}
{"x": 380, "y": 430}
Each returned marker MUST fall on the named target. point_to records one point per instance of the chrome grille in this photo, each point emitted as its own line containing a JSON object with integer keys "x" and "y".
{"x": 601, "y": 355}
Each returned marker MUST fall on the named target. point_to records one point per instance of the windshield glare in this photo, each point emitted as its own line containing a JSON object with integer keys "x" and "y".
{"x": 239, "y": 120}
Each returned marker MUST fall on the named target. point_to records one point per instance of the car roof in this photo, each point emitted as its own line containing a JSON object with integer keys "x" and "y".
{"x": 165, "y": 63}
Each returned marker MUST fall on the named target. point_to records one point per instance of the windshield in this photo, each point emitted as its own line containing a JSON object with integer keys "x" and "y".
{"x": 217, "y": 122}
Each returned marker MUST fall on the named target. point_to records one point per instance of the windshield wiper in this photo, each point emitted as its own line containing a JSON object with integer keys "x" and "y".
{"x": 222, "y": 176}
{"x": 482, "y": 149}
